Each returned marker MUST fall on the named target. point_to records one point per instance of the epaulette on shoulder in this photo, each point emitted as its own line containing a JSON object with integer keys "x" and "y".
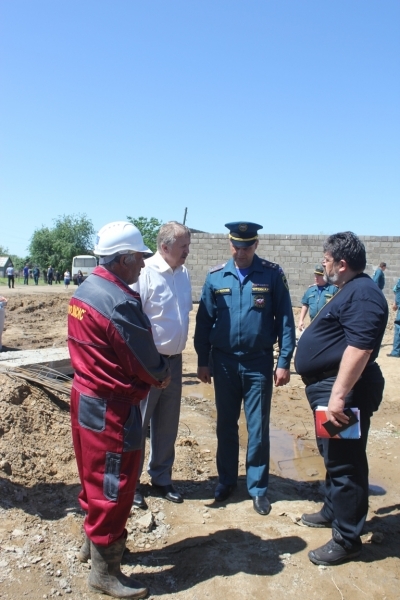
{"x": 217, "y": 268}
{"x": 312, "y": 285}
{"x": 267, "y": 264}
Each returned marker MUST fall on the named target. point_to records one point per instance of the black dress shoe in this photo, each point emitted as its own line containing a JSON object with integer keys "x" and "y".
{"x": 169, "y": 492}
{"x": 261, "y": 505}
{"x": 222, "y": 492}
{"x": 139, "y": 501}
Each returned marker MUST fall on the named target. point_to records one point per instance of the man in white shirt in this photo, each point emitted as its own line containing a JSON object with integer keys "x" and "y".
{"x": 166, "y": 294}
{"x": 10, "y": 275}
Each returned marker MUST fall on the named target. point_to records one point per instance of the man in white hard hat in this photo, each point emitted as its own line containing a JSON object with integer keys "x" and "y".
{"x": 166, "y": 294}
{"x": 116, "y": 362}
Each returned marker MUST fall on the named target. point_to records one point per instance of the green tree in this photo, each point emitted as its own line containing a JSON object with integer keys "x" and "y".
{"x": 56, "y": 246}
{"x": 149, "y": 229}
{"x": 19, "y": 262}
{"x": 3, "y": 250}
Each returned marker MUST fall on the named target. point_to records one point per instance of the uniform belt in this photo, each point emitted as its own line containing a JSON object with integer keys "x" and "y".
{"x": 171, "y": 355}
{"x": 320, "y": 377}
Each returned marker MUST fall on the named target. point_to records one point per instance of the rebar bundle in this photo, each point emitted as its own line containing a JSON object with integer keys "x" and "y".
{"x": 41, "y": 375}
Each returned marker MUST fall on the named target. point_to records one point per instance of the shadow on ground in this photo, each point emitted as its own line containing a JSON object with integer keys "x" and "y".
{"x": 221, "y": 554}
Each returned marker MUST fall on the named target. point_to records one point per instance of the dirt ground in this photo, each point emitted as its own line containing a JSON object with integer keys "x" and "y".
{"x": 199, "y": 549}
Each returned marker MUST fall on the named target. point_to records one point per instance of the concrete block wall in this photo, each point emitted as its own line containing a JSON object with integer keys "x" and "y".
{"x": 296, "y": 254}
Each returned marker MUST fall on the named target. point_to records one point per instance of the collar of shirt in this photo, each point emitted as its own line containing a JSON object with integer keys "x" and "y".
{"x": 158, "y": 262}
{"x": 255, "y": 266}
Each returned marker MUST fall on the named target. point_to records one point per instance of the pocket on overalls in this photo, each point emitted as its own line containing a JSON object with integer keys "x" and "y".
{"x": 92, "y": 413}
{"x": 111, "y": 476}
{"x": 133, "y": 430}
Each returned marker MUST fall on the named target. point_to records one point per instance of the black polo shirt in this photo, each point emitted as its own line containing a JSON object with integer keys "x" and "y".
{"x": 356, "y": 316}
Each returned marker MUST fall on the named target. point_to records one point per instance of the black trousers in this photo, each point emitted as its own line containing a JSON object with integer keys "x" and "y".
{"x": 346, "y": 482}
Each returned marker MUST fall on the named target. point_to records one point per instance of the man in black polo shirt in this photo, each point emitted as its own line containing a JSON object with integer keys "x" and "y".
{"x": 336, "y": 359}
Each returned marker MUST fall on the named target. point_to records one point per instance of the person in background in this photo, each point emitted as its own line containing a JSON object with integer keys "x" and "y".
{"x": 245, "y": 307}
{"x": 67, "y": 278}
{"x": 396, "y": 337}
{"x": 58, "y": 277}
{"x": 79, "y": 277}
{"x": 50, "y": 275}
{"x": 166, "y": 294}
{"x": 316, "y": 296}
{"x": 379, "y": 275}
{"x": 26, "y": 274}
{"x": 3, "y": 304}
{"x": 115, "y": 362}
{"x": 36, "y": 275}
{"x": 10, "y": 276}
{"x": 336, "y": 360}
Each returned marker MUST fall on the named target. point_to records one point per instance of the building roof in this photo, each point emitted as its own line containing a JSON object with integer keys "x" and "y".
{"x": 4, "y": 260}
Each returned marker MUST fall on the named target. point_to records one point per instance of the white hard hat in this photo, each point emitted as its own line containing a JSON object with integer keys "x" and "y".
{"x": 119, "y": 237}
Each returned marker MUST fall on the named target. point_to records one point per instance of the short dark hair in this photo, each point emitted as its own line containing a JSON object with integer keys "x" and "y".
{"x": 382, "y": 264}
{"x": 347, "y": 246}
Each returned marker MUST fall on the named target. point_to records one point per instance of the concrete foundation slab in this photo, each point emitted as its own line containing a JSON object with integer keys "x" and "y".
{"x": 54, "y": 358}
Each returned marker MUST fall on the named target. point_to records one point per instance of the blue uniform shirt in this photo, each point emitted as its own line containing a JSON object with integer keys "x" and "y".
{"x": 316, "y": 299}
{"x": 245, "y": 318}
{"x": 396, "y": 290}
{"x": 379, "y": 278}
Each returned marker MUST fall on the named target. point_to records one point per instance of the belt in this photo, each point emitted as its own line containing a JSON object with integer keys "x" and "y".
{"x": 320, "y": 377}
{"x": 171, "y": 355}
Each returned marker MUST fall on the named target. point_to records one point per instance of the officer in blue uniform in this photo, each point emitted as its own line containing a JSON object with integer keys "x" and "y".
{"x": 379, "y": 275}
{"x": 316, "y": 296}
{"x": 244, "y": 308}
{"x": 396, "y": 306}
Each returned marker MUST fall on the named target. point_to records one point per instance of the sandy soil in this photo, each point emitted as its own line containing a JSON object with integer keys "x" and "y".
{"x": 199, "y": 549}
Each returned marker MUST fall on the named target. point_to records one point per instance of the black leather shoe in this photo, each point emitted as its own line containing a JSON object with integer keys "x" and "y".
{"x": 139, "y": 501}
{"x": 222, "y": 492}
{"x": 169, "y": 492}
{"x": 262, "y": 505}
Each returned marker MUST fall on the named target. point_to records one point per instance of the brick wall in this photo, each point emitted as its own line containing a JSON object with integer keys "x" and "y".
{"x": 297, "y": 255}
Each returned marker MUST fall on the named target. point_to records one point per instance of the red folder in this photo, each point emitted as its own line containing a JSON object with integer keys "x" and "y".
{"x": 324, "y": 428}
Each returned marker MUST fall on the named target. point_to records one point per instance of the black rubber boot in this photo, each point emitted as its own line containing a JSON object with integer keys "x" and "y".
{"x": 84, "y": 552}
{"x": 106, "y": 576}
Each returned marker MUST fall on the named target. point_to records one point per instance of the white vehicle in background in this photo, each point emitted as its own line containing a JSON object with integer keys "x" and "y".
{"x": 84, "y": 263}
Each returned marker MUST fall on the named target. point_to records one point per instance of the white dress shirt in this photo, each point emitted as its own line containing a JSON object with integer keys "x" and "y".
{"x": 166, "y": 296}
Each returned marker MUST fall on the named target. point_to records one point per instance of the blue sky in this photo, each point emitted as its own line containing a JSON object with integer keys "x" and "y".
{"x": 283, "y": 112}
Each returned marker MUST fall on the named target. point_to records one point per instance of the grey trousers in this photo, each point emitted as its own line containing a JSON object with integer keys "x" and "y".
{"x": 161, "y": 409}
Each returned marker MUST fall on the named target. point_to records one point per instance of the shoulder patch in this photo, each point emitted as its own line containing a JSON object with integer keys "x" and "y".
{"x": 267, "y": 264}
{"x": 285, "y": 283}
{"x": 217, "y": 268}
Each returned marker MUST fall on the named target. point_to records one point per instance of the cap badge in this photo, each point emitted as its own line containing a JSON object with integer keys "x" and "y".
{"x": 242, "y": 227}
